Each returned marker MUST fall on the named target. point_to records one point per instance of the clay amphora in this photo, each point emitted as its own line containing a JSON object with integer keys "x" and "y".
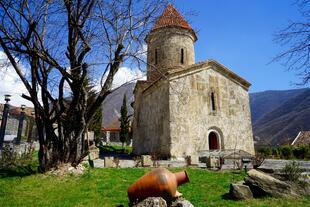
{"x": 160, "y": 182}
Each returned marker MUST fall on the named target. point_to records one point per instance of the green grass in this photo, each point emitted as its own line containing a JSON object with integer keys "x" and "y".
{"x": 107, "y": 187}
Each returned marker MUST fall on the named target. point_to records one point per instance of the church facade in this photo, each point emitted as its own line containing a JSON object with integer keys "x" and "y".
{"x": 184, "y": 107}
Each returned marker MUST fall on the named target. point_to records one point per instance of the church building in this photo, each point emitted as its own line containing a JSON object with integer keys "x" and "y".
{"x": 185, "y": 107}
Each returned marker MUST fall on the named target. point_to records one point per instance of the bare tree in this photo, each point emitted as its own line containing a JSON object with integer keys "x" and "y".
{"x": 296, "y": 39}
{"x": 61, "y": 43}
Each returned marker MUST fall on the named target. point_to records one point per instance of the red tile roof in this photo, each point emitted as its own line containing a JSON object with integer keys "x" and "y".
{"x": 114, "y": 125}
{"x": 15, "y": 110}
{"x": 171, "y": 18}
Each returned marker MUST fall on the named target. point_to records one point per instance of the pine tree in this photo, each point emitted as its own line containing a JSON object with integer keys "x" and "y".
{"x": 124, "y": 125}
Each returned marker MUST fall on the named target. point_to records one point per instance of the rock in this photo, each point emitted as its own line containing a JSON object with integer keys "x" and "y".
{"x": 152, "y": 202}
{"x": 147, "y": 161}
{"x": 263, "y": 184}
{"x": 85, "y": 158}
{"x": 85, "y": 163}
{"x": 181, "y": 202}
{"x": 66, "y": 169}
{"x": 240, "y": 191}
{"x": 301, "y": 187}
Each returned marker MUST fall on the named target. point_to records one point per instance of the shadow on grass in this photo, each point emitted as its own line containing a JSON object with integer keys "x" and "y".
{"x": 20, "y": 171}
{"x": 115, "y": 149}
{"x": 227, "y": 196}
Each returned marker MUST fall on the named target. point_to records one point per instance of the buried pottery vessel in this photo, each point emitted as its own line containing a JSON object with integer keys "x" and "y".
{"x": 160, "y": 182}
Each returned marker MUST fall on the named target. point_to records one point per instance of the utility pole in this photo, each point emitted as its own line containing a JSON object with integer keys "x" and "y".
{"x": 31, "y": 123}
{"x": 5, "y": 114}
{"x": 20, "y": 124}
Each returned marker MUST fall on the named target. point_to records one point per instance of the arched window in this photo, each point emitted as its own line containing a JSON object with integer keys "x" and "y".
{"x": 213, "y": 101}
{"x": 156, "y": 56}
{"x": 182, "y": 56}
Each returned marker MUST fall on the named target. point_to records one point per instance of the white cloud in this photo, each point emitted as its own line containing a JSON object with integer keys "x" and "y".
{"x": 11, "y": 84}
{"x": 125, "y": 75}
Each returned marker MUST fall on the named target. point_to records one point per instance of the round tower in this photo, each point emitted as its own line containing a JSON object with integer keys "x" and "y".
{"x": 170, "y": 44}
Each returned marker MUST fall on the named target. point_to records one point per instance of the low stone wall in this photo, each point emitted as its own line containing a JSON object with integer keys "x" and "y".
{"x": 275, "y": 166}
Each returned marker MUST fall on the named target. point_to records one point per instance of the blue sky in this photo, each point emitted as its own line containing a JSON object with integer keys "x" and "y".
{"x": 239, "y": 34}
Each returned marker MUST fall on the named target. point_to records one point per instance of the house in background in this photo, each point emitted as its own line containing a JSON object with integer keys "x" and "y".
{"x": 111, "y": 131}
{"x": 303, "y": 138}
{"x": 28, "y": 131}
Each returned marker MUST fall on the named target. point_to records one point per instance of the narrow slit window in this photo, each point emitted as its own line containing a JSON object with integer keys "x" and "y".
{"x": 182, "y": 56}
{"x": 156, "y": 57}
{"x": 213, "y": 101}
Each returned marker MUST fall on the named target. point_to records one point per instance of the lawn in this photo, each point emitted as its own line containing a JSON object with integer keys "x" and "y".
{"x": 107, "y": 187}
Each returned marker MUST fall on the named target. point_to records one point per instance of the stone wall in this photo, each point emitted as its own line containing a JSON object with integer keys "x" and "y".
{"x": 174, "y": 117}
{"x": 151, "y": 122}
{"x": 168, "y": 43}
{"x": 192, "y": 117}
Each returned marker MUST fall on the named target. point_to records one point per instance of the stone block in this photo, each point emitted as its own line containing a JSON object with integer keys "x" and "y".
{"x": 213, "y": 162}
{"x": 99, "y": 163}
{"x": 202, "y": 165}
{"x": 127, "y": 163}
{"x": 194, "y": 160}
{"x": 109, "y": 162}
{"x": 94, "y": 153}
{"x": 147, "y": 161}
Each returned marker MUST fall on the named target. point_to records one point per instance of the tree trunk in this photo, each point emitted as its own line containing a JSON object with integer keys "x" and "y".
{"x": 59, "y": 146}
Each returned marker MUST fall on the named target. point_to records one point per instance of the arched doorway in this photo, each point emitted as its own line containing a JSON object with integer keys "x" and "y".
{"x": 213, "y": 141}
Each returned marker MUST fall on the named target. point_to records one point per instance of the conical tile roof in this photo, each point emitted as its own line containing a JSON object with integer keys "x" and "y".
{"x": 171, "y": 18}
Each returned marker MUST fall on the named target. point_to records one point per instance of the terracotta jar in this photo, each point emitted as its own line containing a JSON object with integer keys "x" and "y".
{"x": 159, "y": 182}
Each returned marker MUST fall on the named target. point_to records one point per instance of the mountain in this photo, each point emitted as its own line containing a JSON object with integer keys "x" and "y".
{"x": 113, "y": 103}
{"x": 265, "y": 102}
{"x": 278, "y": 116}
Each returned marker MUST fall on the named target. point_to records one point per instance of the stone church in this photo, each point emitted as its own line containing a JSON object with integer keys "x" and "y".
{"x": 185, "y": 107}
